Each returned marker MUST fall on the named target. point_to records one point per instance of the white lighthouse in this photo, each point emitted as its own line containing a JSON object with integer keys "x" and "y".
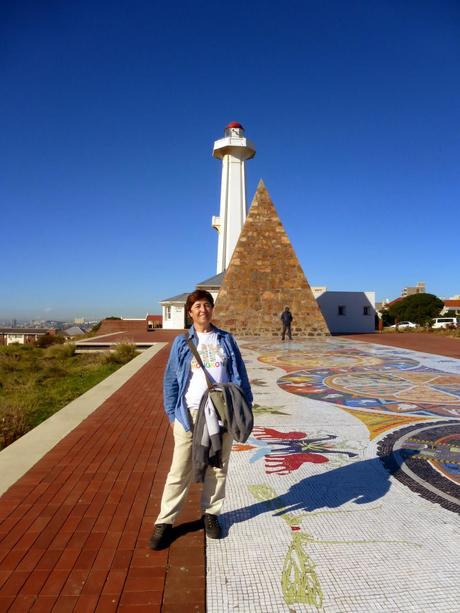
{"x": 234, "y": 149}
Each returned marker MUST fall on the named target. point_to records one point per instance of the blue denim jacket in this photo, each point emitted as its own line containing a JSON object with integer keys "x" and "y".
{"x": 178, "y": 371}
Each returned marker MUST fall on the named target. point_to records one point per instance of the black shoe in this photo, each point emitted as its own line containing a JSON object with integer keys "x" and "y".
{"x": 161, "y": 536}
{"x": 211, "y": 526}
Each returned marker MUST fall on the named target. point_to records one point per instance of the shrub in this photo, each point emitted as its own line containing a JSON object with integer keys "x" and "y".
{"x": 67, "y": 350}
{"x": 48, "y": 339}
{"x": 13, "y": 425}
{"x": 52, "y": 372}
{"x": 123, "y": 353}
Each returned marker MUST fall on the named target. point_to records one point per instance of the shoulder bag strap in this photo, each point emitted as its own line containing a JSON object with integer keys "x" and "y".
{"x": 193, "y": 349}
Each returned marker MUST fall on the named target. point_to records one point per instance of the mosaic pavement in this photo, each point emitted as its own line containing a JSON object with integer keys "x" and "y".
{"x": 347, "y": 495}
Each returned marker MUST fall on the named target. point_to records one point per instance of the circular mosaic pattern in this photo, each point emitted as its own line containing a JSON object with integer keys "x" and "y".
{"x": 299, "y": 359}
{"x": 426, "y": 458}
{"x": 400, "y": 386}
{"x": 420, "y": 391}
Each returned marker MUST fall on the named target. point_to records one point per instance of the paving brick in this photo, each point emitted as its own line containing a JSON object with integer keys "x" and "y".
{"x": 65, "y": 604}
{"x": 77, "y": 520}
{"x": 86, "y": 603}
{"x": 95, "y": 581}
{"x": 86, "y": 559}
{"x": 67, "y": 559}
{"x": 43, "y": 604}
{"x": 135, "y": 608}
{"x": 144, "y": 558}
{"x": 192, "y": 607}
{"x": 4, "y": 575}
{"x": 12, "y": 559}
{"x": 122, "y": 559}
{"x": 183, "y": 595}
{"x": 22, "y": 603}
{"x": 6, "y": 602}
{"x": 14, "y": 583}
{"x": 75, "y": 582}
{"x": 94, "y": 541}
{"x": 141, "y": 583}
{"x": 49, "y": 559}
{"x": 114, "y": 582}
{"x": 104, "y": 559}
{"x": 30, "y": 559}
{"x": 55, "y": 582}
{"x": 35, "y": 581}
{"x": 150, "y": 597}
{"x": 107, "y": 603}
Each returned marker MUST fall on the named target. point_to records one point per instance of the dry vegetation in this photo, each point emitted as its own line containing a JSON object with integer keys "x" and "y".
{"x": 37, "y": 382}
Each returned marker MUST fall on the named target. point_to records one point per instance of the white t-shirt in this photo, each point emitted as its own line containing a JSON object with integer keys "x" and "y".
{"x": 214, "y": 361}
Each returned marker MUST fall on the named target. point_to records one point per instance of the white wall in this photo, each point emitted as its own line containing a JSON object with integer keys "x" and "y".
{"x": 354, "y": 320}
{"x": 318, "y": 290}
{"x": 15, "y": 338}
{"x": 176, "y": 321}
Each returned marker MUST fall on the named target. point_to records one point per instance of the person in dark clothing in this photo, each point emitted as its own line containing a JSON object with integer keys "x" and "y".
{"x": 286, "y": 318}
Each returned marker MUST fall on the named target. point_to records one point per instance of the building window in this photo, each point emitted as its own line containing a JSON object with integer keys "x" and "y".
{"x": 366, "y": 310}
{"x": 341, "y": 310}
{"x": 168, "y": 312}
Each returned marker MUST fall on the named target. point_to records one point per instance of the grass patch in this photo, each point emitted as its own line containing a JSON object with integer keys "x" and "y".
{"x": 36, "y": 382}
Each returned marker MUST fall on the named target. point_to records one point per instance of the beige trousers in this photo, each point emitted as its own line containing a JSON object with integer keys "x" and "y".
{"x": 180, "y": 476}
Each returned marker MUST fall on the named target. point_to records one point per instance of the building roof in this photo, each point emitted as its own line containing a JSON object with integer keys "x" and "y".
{"x": 74, "y": 331}
{"x": 215, "y": 281}
{"x": 398, "y": 299}
{"x": 452, "y": 303}
{"x": 154, "y": 317}
{"x": 234, "y": 124}
{"x": 180, "y": 298}
{"x": 24, "y": 331}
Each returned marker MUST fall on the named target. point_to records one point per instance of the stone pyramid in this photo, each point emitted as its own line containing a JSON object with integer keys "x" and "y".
{"x": 263, "y": 277}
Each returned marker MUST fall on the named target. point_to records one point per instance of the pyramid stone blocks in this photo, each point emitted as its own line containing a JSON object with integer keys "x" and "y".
{"x": 264, "y": 276}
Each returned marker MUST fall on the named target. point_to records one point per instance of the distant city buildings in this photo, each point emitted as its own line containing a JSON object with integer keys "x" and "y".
{"x": 22, "y": 336}
{"x": 410, "y": 291}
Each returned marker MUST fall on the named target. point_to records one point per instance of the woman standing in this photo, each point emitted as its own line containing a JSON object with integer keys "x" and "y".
{"x": 184, "y": 386}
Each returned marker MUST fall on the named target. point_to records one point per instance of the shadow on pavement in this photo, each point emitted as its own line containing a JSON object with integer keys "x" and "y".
{"x": 358, "y": 482}
{"x": 185, "y": 528}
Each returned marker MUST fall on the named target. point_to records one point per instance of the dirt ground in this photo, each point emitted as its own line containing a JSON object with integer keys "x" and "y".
{"x": 428, "y": 343}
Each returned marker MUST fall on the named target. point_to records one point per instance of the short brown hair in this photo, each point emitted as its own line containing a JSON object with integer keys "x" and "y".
{"x": 198, "y": 294}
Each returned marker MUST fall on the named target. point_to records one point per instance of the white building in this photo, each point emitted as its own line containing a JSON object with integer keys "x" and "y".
{"x": 234, "y": 149}
{"x": 174, "y": 312}
{"x": 174, "y": 316}
{"x": 347, "y": 312}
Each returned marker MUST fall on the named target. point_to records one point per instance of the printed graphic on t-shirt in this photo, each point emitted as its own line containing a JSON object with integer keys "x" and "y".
{"x": 214, "y": 361}
{"x": 212, "y": 356}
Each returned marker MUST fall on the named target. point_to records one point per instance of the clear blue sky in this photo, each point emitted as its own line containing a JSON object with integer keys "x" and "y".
{"x": 109, "y": 110}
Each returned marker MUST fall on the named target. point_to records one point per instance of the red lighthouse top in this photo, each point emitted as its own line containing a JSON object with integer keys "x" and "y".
{"x": 234, "y": 124}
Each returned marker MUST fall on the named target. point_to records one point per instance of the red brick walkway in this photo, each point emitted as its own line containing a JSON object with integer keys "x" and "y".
{"x": 415, "y": 341}
{"x": 74, "y": 530}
